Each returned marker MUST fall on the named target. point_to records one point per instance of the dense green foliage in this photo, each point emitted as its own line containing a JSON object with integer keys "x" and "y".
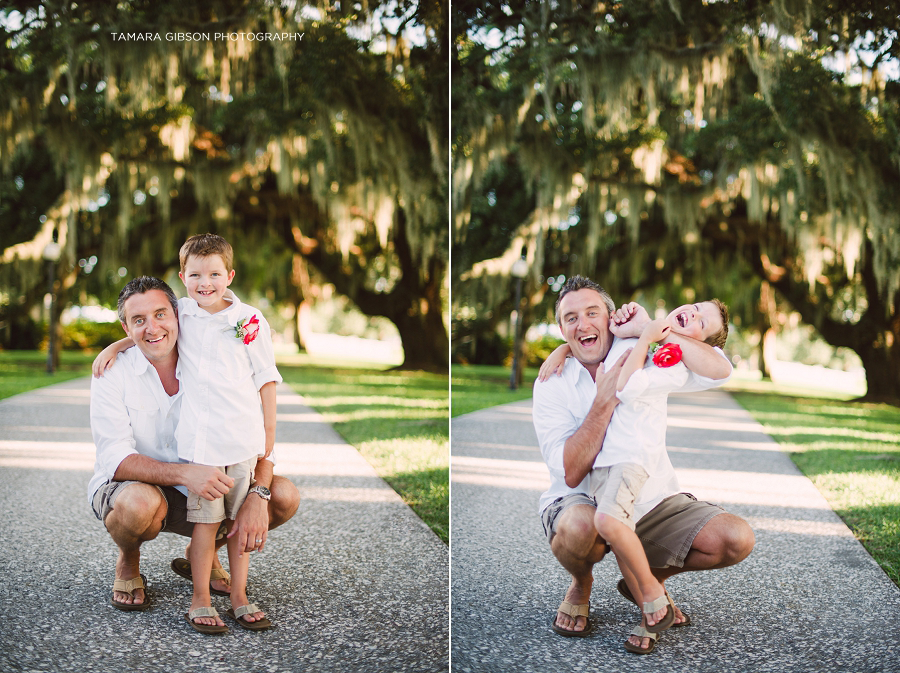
{"x": 682, "y": 150}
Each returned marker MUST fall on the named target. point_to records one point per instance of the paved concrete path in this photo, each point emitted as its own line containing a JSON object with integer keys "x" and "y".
{"x": 809, "y": 597}
{"x": 354, "y": 582}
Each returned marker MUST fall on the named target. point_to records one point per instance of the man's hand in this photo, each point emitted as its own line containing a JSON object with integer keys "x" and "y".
{"x": 251, "y": 524}
{"x": 582, "y": 447}
{"x": 606, "y": 381}
{"x": 208, "y": 482}
{"x": 629, "y": 320}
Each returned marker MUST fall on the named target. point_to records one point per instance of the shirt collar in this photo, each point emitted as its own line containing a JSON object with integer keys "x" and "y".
{"x": 140, "y": 364}
{"x": 230, "y": 313}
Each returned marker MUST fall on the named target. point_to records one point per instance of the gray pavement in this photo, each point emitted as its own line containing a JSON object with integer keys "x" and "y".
{"x": 354, "y": 582}
{"x": 809, "y": 597}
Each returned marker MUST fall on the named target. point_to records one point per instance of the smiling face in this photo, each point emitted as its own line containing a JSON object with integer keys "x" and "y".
{"x": 152, "y": 323}
{"x": 584, "y": 321}
{"x": 698, "y": 321}
{"x": 206, "y": 278}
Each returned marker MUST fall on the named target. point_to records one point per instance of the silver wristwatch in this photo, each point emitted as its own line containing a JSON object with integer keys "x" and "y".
{"x": 262, "y": 492}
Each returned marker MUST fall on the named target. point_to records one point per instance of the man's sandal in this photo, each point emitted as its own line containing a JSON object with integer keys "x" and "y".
{"x": 574, "y": 611}
{"x": 641, "y": 632}
{"x": 238, "y": 616}
{"x": 666, "y": 622}
{"x": 182, "y": 567}
{"x": 129, "y": 587}
{"x": 623, "y": 589}
{"x": 209, "y": 629}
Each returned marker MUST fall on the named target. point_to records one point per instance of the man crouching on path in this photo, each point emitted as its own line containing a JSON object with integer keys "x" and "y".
{"x": 571, "y": 414}
{"x": 138, "y": 487}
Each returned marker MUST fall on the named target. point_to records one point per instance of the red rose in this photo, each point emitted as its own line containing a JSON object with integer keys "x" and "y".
{"x": 250, "y": 328}
{"x": 667, "y": 355}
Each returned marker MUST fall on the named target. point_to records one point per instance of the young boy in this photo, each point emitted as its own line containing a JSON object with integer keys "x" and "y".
{"x": 634, "y": 447}
{"x": 227, "y": 417}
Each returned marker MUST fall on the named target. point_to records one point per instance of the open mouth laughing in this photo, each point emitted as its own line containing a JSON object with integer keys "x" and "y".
{"x": 682, "y": 319}
{"x": 589, "y": 340}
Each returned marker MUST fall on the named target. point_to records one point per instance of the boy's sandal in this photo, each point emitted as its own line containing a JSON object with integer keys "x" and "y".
{"x": 208, "y": 629}
{"x": 641, "y": 632}
{"x": 129, "y": 587}
{"x": 238, "y": 616}
{"x": 623, "y": 589}
{"x": 573, "y": 611}
{"x": 667, "y": 621}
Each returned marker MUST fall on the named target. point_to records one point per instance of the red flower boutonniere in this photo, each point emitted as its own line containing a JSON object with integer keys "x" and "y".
{"x": 247, "y": 329}
{"x": 668, "y": 355}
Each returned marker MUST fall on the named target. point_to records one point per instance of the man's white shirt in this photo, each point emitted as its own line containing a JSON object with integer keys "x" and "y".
{"x": 222, "y": 421}
{"x": 132, "y": 413}
{"x": 636, "y": 432}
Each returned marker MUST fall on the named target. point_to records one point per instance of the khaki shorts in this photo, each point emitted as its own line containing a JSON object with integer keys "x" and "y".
{"x": 176, "y": 515}
{"x": 616, "y": 487}
{"x": 201, "y": 510}
{"x": 666, "y": 532}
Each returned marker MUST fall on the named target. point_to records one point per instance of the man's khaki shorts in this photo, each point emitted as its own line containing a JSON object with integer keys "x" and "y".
{"x": 616, "y": 487}
{"x": 176, "y": 502}
{"x": 201, "y": 510}
{"x": 666, "y": 532}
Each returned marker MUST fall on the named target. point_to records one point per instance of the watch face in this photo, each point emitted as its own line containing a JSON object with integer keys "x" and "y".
{"x": 264, "y": 490}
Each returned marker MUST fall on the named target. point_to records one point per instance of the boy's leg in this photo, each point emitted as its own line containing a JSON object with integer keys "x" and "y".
{"x": 632, "y": 562}
{"x": 203, "y": 550}
{"x": 239, "y": 564}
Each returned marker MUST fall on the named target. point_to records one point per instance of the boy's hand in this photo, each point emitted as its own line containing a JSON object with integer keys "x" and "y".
{"x": 554, "y": 363}
{"x": 104, "y": 361}
{"x": 629, "y": 320}
{"x": 656, "y": 330}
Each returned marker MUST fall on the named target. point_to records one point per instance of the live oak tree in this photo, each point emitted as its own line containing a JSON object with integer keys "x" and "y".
{"x": 679, "y": 144}
{"x": 313, "y": 136}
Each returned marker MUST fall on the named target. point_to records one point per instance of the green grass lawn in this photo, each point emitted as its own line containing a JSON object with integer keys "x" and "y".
{"x": 21, "y": 371}
{"x": 851, "y": 452}
{"x": 475, "y": 387}
{"x": 397, "y": 420}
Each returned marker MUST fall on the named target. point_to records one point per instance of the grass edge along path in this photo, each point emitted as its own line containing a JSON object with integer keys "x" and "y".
{"x": 397, "y": 420}
{"x": 22, "y": 371}
{"x": 851, "y": 453}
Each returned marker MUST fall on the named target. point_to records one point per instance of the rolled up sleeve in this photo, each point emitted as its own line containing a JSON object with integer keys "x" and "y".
{"x": 262, "y": 356}
{"x": 110, "y": 424}
{"x": 554, "y": 423}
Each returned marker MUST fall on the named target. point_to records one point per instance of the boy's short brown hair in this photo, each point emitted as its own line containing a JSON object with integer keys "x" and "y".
{"x": 718, "y": 339}
{"x": 205, "y": 245}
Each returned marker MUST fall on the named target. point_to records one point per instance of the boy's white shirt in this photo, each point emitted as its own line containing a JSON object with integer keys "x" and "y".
{"x": 561, "y": 404}
{"x": 221, "y": 421}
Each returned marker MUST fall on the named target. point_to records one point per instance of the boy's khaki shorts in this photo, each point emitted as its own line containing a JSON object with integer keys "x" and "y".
{"x": 615, "y": 488}
{"x": 201, "y": 510}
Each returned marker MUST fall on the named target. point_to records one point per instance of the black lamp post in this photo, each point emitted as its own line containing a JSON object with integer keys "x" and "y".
{"x": 519, "y": 271}
{"x": 51, "y": 254}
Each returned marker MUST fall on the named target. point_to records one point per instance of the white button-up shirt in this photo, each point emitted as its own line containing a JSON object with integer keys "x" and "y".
{"x": 636, "y": 432}
{"x": 131, "y": 413}
{"x": 222, "y": 421}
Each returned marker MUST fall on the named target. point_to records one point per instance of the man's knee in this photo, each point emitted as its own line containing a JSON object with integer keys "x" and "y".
{"x": 285, "y": 500}
{"x": 576, "y": 533}
{"x": 139, "y": 509}
{"x": 728, "y": 537}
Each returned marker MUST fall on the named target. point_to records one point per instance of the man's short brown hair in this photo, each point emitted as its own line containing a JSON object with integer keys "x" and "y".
{"x": 206, "y": 245}
{"x": 576, "y": 283}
